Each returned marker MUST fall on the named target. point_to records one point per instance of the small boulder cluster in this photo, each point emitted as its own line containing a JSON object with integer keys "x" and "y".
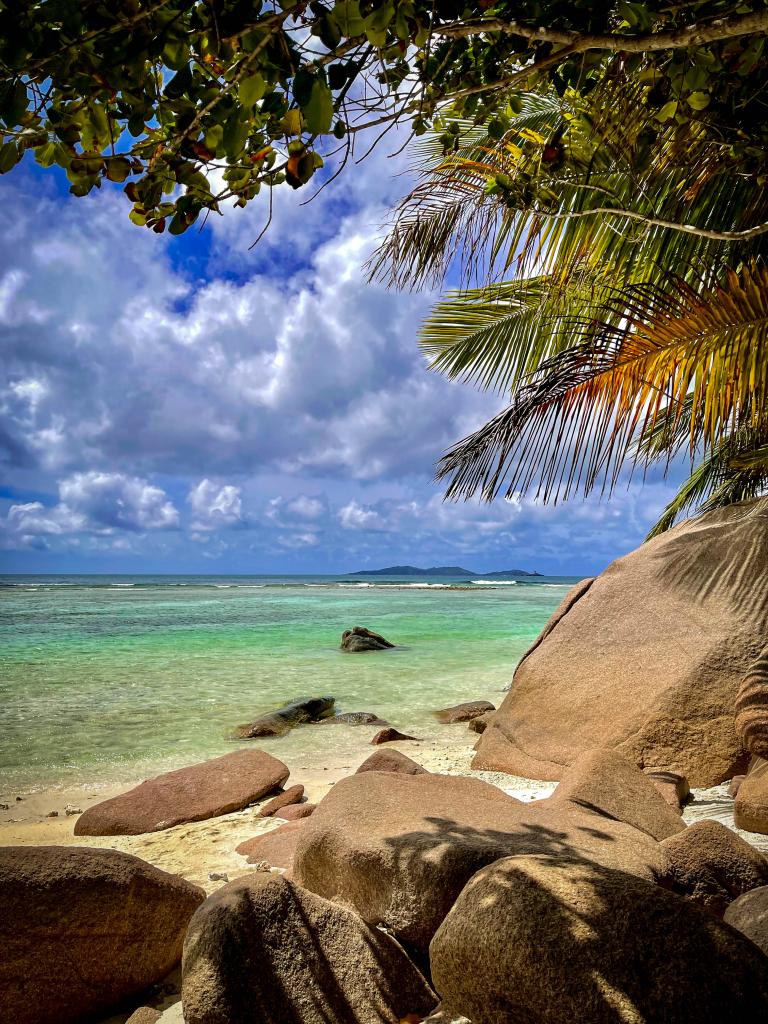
{"x": 403, "y": 895}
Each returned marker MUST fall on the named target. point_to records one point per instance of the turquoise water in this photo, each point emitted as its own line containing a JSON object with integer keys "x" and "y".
{"x": 114, "y": 677}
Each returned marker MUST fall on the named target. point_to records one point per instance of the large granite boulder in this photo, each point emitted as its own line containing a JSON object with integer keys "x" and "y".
{"x": 752, "y": 706}
{"x": 604, "y": 781}
{"x": 277, "y": 847}
{"x": 400, "y": 848}
{"x": 750, "y": 808}
{"x": 543, "y": 941}
{"x": 648, "y": 658}
{"x": 711, "y": 865}
{"x": 81, "y": 929}
{"x": 263, "y": 949}
{"x": 749, "y": 914}
{"x": 200, "y": 791}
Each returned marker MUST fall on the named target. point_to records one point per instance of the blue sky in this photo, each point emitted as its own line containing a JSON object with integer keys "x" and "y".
{"x": 188, "y": 405}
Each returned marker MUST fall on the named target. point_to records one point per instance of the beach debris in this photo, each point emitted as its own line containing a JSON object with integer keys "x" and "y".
{"x": 200, "y": 791}
{"x": 391, "y": 760}
{"x": 464, "y": 712}
{"x": 278, "y": 723}
{"x": 389, "y": 735}
{"x": 52, "y": 814}
{"x": 295, "y": 812}
{"x": 750, "y": 808}
{"x": 19, "y": 799}
{"x": 749, "y": 915}
{"x": 245, "y": 942}
{"x": 5, "y": 807}
{"x": 692, "y": 967}
{"x": 85, "y": 928}
{"x": 360, "y": 639}
{"x": 480, "y": 724}
{"x": 218, "y": 876}
{"x": 288, "y": 796}
{"x": 711, "y": 865}
{"x": 276, "y": 848}
{"x": 354, "y": 718}
{"x": 70, "y": 809}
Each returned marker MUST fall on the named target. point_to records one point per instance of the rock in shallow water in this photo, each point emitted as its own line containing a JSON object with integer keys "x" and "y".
{"x": 548, "y": 941}
{"x": 390, "y": 735}
{"x": 200, "y": 791}
{"x": 278, "y": 723}
{"x": 360, "y": 639}
{"x": 263, "y": 949}
{"x": 81, "y": 929}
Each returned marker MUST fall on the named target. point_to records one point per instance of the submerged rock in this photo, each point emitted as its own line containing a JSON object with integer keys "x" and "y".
{"x": 464, "y": 712}
{"x": 264, "y": 949}
{"x": 82, "y": 929}
{"x": 648, "y": 658}
{"x": 550, "y": 940}
{"x": 354, "y": 718}
{"x": 279, "y": 722}
{"x": 200, "y": 791}
{"x": 361, "y": 639}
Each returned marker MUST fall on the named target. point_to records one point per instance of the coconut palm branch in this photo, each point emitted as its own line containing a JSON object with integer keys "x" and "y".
{"x": 690, "y": 364}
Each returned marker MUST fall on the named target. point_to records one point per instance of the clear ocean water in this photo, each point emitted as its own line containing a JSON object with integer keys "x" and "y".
{"x": 115, "y": 677}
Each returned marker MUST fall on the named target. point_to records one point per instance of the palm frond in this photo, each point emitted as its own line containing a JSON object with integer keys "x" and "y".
{"x": 576, "y": 421}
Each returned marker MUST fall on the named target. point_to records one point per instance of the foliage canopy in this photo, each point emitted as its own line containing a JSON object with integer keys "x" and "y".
{"x": 191, "y": 102}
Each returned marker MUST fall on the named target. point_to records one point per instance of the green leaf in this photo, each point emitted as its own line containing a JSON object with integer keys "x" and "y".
{"x": 698, "y": 100}
{"x": 117, "y": 168}
{"x": 318, "y": 112}
{"x": 10, "y": 154}
{"x": 350, "y": 21}
{"x": 45, "y": 155}
{"x": 251, "y": 90}
{"x": 668, "y": 111}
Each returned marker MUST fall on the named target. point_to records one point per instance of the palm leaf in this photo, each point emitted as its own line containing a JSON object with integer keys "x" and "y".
{"x": 576, "y": 421}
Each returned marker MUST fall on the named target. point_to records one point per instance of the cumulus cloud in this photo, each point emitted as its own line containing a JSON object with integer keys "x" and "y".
{"x": 357, "y": 517}
{"x": 92, "y": 502}
{"x": 215, "y": 505}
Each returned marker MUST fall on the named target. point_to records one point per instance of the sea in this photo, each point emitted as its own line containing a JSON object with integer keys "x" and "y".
{"x": 114, "y": 677}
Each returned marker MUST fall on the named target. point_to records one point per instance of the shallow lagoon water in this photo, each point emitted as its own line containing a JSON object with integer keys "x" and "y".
{"x": 115, "y": 677}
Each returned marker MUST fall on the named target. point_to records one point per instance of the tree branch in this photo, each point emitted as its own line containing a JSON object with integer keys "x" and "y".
{"x": 680, "y": 38}
{"x": 671, "y": 225}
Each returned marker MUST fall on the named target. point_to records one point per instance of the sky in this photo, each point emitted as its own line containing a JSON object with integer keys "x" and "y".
{"x": 192, "y": 405}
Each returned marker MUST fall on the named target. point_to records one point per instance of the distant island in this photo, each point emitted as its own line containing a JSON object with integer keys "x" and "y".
{"x": 443, "y": 570}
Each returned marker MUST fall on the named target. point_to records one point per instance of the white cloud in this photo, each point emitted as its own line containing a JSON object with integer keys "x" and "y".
{"x": 215, "y": 506}
{"x": 358, "y": 517}
{"x": 113, "y": 500}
